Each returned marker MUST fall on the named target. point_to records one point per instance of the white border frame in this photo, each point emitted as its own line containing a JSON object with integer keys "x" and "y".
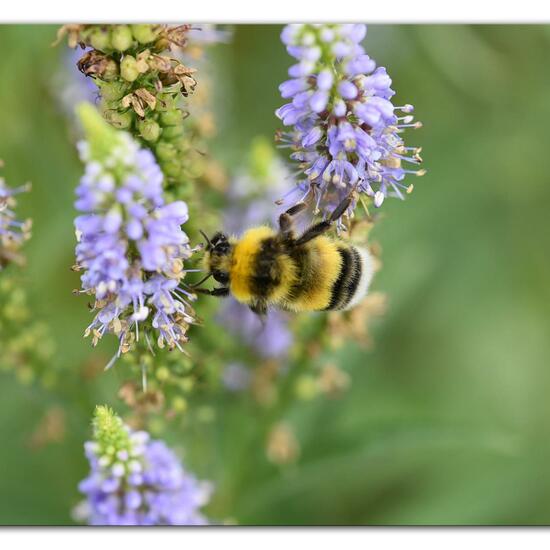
{"x": 276, "y": 11}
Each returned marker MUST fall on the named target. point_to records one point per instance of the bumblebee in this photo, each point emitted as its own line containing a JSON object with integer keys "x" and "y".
{"x": 289, "y": 271}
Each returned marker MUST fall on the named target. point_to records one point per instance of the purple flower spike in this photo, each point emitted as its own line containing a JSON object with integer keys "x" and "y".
{"x": 13, "y": 232}
{"x": 134, "y": 480}
{"x": 130, "y": 244}
{"x": 346, "y": 132}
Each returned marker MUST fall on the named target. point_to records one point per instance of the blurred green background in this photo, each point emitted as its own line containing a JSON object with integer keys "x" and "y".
{"x": 447, "y": 418}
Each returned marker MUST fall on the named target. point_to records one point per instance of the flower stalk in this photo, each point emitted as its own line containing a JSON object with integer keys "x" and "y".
{"x": 140, "y": 83}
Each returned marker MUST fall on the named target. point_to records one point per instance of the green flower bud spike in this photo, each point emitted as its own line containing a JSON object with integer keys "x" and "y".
{"x": 142, "y": 85}
{"x": 110, "y": 434}
{"x": 101, "y": 137}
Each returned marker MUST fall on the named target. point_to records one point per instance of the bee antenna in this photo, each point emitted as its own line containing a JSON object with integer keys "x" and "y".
{"x": 205, "y": 238}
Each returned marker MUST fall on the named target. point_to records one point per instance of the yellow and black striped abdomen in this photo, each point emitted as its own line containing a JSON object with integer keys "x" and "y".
{"x": 317, "y": 265}
{"x": 354, "y": 278}
{"x": 331, "y": 275}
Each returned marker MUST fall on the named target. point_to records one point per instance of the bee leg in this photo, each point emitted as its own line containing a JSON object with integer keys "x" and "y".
{"x": 296, "y": 209}
{"x": 285, "y": 219}
{"x": 319, "y": 228}
{"x": 221, "y": 291}
{"x": 285, "y": 223}
{"x": 259, "y": 308}
{"x": 341, "y": 208}
{"x": 313, "y": 232}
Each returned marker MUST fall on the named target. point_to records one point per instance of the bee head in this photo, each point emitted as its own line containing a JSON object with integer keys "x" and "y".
{"x": 217, "y": 259}
{"x": 220, "y": 244}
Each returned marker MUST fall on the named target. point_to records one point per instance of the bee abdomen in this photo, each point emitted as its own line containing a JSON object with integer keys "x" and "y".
{"x": 353, "y": 280}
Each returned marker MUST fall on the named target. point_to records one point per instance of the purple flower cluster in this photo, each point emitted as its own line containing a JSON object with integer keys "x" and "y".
{"x": 13, "y": 232}
{"x": 132, "y": 248}
{"x": 345, "y": 132}
{"x": 270, "y": 338}
{"x": 138, "y": 481}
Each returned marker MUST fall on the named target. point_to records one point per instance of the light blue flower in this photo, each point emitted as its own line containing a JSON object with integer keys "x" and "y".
{"x": 131, "y": 248}
{"x": 346, "y": 132}
{"x": 135, "y": 480}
